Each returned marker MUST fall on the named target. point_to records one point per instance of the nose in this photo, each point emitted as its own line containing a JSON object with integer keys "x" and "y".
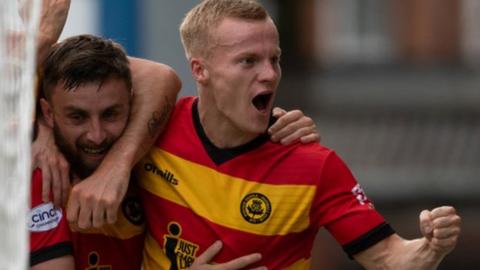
{"x": 96, "y": 133}
{"x": 270, "y": 72}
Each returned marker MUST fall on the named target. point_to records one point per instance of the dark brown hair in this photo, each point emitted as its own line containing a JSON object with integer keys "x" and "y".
{"x": 84, "y": 59}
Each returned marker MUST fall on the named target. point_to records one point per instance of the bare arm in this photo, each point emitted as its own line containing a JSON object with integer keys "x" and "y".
{"x": 61, "y": 263}
{"x": 53, "y": 16}
{"x": 52, "y": 20}
{"x": 440, "y": 229}
{"x": 155, "y": 92}
{"x": 44, "y": 152}
{"x": 55, "y": 168}
{"x": 95, "y": 200}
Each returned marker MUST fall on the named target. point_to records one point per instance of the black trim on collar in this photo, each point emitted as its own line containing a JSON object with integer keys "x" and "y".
{"x": 221, "y": 155}
{"x": 369, "y": 239}
{"x": 56, "y": 251}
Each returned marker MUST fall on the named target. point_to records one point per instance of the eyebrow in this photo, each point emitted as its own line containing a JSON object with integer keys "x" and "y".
{"x": 70, "y": 108}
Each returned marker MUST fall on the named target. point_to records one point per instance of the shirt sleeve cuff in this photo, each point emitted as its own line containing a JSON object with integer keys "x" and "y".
{"x": 369, "y": 239}
{"x": 51, "y": 252}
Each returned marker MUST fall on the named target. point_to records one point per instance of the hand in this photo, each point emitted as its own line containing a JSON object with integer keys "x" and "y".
{"x": 55, "y": 168}
{"x": 293, "y": 126}
{"x": 201, "y": 263}
{"x": 441, "y": 228}
{"x": 95, "y": 200}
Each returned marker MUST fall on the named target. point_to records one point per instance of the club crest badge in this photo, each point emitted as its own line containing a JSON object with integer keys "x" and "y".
{"x": 255, "y": 208}
{"x": 132, "y": 209}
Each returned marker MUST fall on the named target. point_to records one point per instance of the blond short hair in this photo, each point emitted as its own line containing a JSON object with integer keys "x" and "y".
{"x": 195, "y": 27}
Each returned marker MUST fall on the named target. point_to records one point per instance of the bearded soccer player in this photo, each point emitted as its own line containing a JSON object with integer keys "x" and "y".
{"x": 88, "y": 92}
{"x": 214, "y": 175}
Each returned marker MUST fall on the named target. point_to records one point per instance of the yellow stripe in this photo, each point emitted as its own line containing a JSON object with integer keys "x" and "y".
{"x": 153, "y": 255}
{"x": 154, "y": 258}
{"x": 217, "y": 197}
{"x": 302, "y": 264}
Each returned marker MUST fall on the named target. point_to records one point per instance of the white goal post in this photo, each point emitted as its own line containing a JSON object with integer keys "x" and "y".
{"x": 17, "y": 81}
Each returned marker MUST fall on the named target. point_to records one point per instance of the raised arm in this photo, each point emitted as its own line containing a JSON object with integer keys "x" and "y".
{"x": 53, "y": 16}
{"x": 440, "y": 228}
{"x": 45, "y": 154}
{"x": 52, "y": 20}
{"x": 95, "y": 200}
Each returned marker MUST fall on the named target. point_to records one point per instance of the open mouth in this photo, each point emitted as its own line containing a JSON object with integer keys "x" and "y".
{"x": 261, "y": 101}
{"x": 95, "y": 151}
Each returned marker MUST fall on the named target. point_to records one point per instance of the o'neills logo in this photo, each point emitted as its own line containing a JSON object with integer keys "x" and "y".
{"x": 255, "y": 208}
{"x": 165, "y": 174}
{"x": 44, "y": 217}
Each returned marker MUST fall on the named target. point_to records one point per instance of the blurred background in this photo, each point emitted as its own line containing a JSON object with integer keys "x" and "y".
{"x": 393, "y": 86}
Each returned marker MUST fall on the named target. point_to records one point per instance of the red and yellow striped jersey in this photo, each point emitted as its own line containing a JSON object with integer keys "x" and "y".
{"x": 116, "y": 247}
{"x": 260, "y": 197}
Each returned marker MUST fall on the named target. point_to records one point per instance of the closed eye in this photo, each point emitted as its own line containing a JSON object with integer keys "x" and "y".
{"x": 77, "y": 117}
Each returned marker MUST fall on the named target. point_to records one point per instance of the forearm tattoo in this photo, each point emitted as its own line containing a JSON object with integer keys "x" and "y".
{"x": 159, "y": 118}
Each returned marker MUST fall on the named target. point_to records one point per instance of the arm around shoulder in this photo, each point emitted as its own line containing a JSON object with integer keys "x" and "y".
{"x": 155, "y": 88}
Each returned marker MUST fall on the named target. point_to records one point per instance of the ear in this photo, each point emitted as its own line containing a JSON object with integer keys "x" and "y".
{"x": 199, "y": 70}
{"x": 47, "y": 112}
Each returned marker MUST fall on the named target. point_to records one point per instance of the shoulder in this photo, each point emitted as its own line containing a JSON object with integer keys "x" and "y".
{"x": 313, "y": 149}
{"x": 314, "y": 153}
{"x": 186, "y": 102}
{"x": 183, "y": 108}
{"x": 305, "y": 161}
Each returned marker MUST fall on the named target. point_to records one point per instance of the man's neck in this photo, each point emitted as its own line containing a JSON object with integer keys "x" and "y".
{"x": 220, "y": 130}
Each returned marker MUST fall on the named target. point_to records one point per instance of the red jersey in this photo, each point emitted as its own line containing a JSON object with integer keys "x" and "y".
{"x": 116, "y": 247}
{"x": 260, "y": 197}
{"x": 49, "y": 233}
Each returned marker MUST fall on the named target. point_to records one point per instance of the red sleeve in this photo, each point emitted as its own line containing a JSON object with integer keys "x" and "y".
{"x": 49, "y": 232}
{"x": 344, "y": 209}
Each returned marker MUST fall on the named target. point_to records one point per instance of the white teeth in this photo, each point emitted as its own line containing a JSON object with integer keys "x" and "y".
{"x": 93, "y": 150}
